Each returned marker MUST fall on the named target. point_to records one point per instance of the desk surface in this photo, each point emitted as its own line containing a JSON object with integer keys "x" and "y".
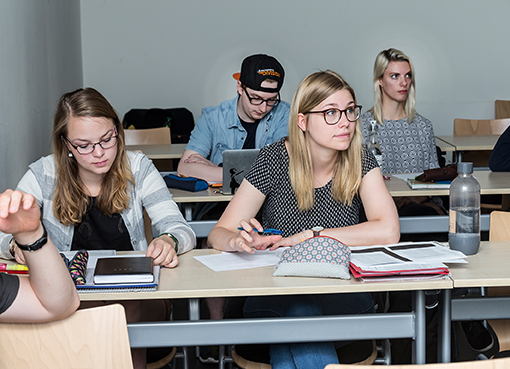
{"x": 492, "y": 183}
{"x": 482, "y": 142}
{"x": 444, "y": 145}
{"x": 172, "y": 151}
{"x": 488, "y": 268}
{"x": 192, "y": 279}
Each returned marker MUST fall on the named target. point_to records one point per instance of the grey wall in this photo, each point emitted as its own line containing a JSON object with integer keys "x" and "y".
{"x": 40, "y": 58}
{"x": 166, "y": 53}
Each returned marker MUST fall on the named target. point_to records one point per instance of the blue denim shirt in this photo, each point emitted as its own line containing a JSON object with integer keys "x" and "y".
{"x": 219, "y": 129}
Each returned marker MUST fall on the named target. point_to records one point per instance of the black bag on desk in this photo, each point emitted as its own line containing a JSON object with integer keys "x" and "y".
{"x": 438, "y": 174}
{"x": 179, "y": 120}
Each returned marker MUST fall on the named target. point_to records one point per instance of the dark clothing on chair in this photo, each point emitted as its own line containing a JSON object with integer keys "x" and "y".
{"x": 9, "y": 286}
{"x": 500, "y": 157}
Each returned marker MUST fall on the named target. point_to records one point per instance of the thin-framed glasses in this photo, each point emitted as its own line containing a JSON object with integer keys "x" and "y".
{"x": 259, "y": 101}
{"x": 333, "y": 115}
{"x": 105, "y": 144}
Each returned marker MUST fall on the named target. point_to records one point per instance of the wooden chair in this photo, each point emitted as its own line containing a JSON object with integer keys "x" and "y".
{"x": 90, "y": 338}
{"x": 479, "y": 364}
{"x": 257, "y": 356}
{"x": 500, "y": 231}
{"x": 502, "y": 109}
{"x": 150, "y": 136}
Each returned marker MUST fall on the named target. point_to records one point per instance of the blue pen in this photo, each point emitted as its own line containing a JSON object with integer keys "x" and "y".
{"x": 264, "y": 232}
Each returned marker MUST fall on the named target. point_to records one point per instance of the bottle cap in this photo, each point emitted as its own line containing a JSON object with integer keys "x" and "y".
{"x": 465, "y": 167}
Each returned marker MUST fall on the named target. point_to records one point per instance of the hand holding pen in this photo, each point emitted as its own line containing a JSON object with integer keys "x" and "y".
{"x": 253, "y": 235}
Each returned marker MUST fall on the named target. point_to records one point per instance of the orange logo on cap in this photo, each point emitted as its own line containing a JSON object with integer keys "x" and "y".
{"x": 268, "y": 72}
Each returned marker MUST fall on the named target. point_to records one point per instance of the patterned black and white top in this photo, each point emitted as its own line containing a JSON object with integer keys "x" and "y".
{"x": 406, "y": 148}
{"x": 270, "y": 175}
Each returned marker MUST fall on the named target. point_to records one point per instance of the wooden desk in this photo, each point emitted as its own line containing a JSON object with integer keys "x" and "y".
{"x": 468, "y": 143}
{"x": 193, "y": 280}
{"x": 491, "y": 183}
{"x": 488, "y": 268}
{"x": 173, "y": 151}
{"x": 444, "y": 145}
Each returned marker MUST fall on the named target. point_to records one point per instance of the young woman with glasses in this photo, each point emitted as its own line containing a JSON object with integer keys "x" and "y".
{"x": 92, "y": 191}
{"x": 318, "y": 177}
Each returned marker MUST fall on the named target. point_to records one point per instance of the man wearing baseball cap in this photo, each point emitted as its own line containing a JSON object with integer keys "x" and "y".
{"x": 254, "y": 118}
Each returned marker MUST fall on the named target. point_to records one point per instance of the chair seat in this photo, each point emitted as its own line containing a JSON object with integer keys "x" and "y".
{"x": 159, "y": 358}
{"x": 257, "y": 356}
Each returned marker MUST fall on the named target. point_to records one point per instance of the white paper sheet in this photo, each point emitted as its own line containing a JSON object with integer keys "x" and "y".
{"x": 241, "y": 260}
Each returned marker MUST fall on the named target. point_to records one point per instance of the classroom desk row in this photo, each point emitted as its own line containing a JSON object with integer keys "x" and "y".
{"x": 491, "y": 183}
{"x": 458, "y": 144}
{"x": 193, "y": 280}
{"x": 455, "y": 144}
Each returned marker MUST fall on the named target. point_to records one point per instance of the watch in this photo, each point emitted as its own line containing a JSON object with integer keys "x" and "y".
{"x": 317, "y": 231}
{"x": 37, "y": 244}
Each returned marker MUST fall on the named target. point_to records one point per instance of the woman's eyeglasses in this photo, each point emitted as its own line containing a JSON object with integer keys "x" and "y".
{"x": 105, "y": 144}
{"x": 333, "y": 116}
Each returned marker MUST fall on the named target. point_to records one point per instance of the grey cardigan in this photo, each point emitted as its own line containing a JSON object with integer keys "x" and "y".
{"x": 149, "y": 192}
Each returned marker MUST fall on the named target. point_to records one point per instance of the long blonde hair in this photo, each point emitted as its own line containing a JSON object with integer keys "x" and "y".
{"x": 70, "y": 202}
{"x": 381, "y": 63}
{"x": 310, "y": 92}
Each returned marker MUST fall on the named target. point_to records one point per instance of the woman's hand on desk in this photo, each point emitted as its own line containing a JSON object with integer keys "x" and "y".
{"x": 162, "y": 249}
{"x": 249, "y": 238}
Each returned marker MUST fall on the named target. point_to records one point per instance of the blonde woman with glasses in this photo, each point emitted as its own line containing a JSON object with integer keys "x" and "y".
{"x": 314, "y": 181}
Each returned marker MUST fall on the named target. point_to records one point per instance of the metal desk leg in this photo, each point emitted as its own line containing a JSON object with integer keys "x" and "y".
{"x": 188, "y": 211}
{"x": 444, "y": 327}
{"x": 194, "y": 314}
{"x": 419, "y": 343}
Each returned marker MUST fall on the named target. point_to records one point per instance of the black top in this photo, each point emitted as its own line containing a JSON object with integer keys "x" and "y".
{"x": 270, "y": 175}
{"x": 101, "y": 232}
{"x": 251, "y": 130}
{"x": 500, "y": 157}
{"x": 9, "y": 286}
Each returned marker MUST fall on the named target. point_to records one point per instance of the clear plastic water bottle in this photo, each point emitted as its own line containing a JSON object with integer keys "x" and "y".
{"x": 373, "y": 143}
{"x": 464, "y": 234}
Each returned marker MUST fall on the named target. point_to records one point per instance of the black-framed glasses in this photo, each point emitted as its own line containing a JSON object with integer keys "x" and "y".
{"x": 259, "y": 101}
{"x": 333, "y": 115}
{"x": 88, "y": 148}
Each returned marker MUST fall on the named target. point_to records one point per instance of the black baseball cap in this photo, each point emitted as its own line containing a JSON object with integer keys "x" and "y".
{"x": 257, "y": 68}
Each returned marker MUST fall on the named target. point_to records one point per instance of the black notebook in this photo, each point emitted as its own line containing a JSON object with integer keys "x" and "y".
{"x": 124, "y": 270}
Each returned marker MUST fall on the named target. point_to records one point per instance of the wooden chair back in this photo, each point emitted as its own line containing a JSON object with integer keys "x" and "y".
{"x": 500, "y": 226}
{"x": 90, "y": 338}
{"x": 470, "y": 127}
{"x": 502, "y": 109}
{"x": 149, "y": 136}
{"x": 500, "y": 231}
{"x": 478, "y": 364}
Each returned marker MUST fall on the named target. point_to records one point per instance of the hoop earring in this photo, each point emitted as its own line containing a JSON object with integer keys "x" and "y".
{"x": 70, "y": 154}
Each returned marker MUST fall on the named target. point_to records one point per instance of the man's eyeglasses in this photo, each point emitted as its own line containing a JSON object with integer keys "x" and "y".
{"x": 259, "y": 101}
{"x": 333, "y": 116}
{"x": 105, "y": 144}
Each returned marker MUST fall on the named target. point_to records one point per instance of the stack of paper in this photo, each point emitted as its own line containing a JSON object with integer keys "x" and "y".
{"x": 403, "y": 261}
